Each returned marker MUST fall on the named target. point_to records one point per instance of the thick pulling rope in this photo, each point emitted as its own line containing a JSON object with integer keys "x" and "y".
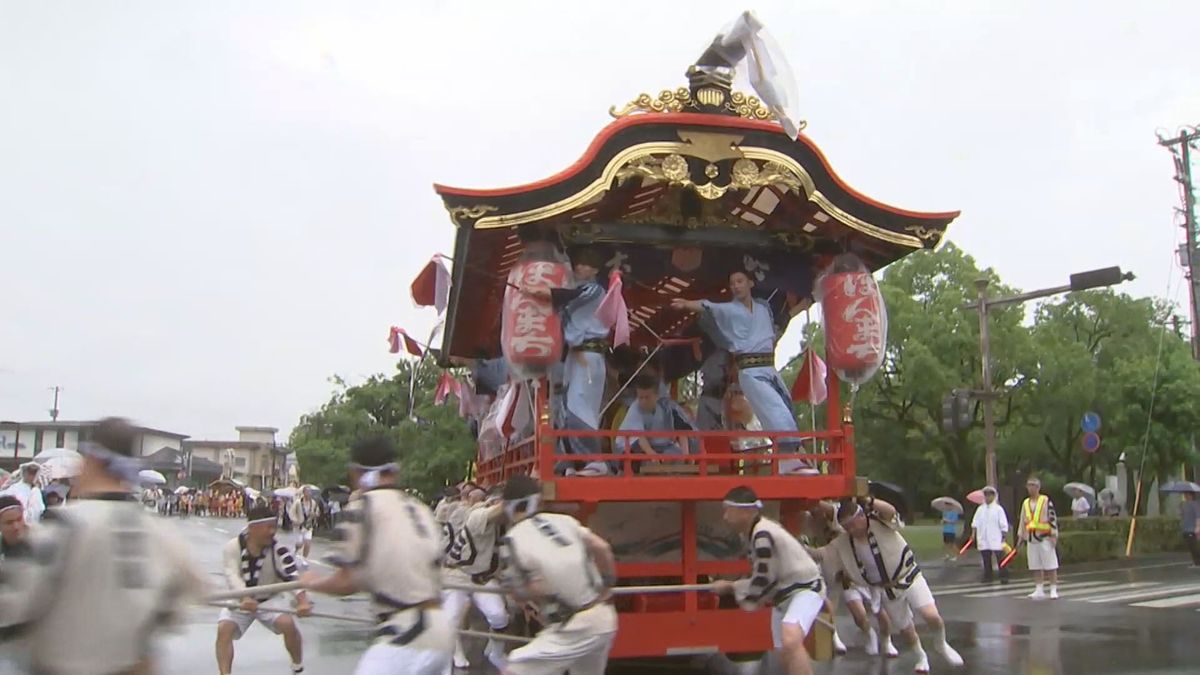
{"x": 371, "y": 622}
{"x": 271, "y": 589}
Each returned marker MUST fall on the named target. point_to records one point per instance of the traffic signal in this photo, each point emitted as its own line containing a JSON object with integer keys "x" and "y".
{"x": 1109, "y": 276}
{"x": 956, "y": 412}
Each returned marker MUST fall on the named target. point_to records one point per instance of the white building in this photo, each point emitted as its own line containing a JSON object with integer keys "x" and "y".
{"x": 20, "y": 441}
{"x": 255, "y": 458}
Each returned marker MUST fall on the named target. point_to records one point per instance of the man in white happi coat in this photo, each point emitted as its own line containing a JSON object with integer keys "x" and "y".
{"x": 552, "y": 560}
{"x": 257, "y": 557}
{"x": 390, "y": 546}
{"x": 103, "y": 577}
{"x": 990, "y": 527}
{"x": 872, "y": 553}
{"x": 474, "y": 561}
{"x": 860, "y": 600}
{"x": 782, "y": 575}
{"x": 27, "y": 491}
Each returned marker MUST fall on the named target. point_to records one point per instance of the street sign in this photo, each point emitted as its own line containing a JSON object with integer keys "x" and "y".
{"x": 1091, "y": 442}
{"x": 1090, "y": 423}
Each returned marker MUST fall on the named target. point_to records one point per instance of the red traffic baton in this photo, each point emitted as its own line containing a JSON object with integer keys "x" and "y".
{"x": 1012, "y": 554}
{"x": 967, "y": 545}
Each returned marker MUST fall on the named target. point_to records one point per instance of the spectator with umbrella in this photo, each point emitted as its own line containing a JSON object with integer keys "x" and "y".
{"x": 1189, "y": 516}
{"x": 990, "y": 527}
{"x": 27, "y": 493}
{"x": 951, "y": 514}
{"x": 1082, "y": 496}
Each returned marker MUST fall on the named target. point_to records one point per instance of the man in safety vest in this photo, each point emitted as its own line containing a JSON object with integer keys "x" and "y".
{"x": 1039, "y": 529}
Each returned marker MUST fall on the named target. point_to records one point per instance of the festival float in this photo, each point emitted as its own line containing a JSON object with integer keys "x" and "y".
{"x": 681, "y": 188}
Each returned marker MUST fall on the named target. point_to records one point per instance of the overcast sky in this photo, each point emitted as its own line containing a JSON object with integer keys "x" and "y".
{"x": 208, "y": 208}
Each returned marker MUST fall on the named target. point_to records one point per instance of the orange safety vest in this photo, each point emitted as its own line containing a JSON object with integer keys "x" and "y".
{"x": 1033, "y": 516}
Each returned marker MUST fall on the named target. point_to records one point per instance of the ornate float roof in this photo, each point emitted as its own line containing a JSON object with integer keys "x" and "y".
{"x": 675, "y": 189}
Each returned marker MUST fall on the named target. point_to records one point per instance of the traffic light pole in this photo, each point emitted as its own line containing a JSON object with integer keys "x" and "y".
{"x": 989, "y": 419}
{"x": 1083, "y": 281}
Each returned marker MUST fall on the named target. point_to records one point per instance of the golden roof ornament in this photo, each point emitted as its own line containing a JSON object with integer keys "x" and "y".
{"x": 710, "y": 81}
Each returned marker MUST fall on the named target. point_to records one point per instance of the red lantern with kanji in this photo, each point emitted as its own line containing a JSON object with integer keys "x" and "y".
{"x": 855, "y": 319}
{"x": 531, "y": 333}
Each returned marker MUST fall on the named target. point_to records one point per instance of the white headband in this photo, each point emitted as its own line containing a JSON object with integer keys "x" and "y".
{"x": 261, "y": 520}
{"x": 10, "y": 507}
{"x": 125, "y": 468}
{"x": 858, "y": 512}
{"x": 370, "y": 477}
{"x": 756, "y": 504}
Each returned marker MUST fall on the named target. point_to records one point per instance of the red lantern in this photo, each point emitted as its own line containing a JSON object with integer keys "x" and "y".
{"x": 531, "y": 335}
{"x": 855, "y": 321}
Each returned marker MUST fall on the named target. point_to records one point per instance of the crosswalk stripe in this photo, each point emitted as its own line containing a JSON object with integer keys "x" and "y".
{"x": 1026, "y": 591}
{"x": 966, "y": 587}
{"x": 1179, "y": 601}
{"x": 1147, "y": 594}
{"x": 1074, "y": 589}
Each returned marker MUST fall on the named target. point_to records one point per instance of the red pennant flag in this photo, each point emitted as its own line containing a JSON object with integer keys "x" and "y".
{"x": 431, "y": 288}
{"x": 612, "y": 311}
{"x": 810, "y": 381}
{"x": 410, "y": 345}
{"x": 447, "y": 385}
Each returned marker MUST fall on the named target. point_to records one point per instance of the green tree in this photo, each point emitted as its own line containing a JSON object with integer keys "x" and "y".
{"x": 435, "y": 445}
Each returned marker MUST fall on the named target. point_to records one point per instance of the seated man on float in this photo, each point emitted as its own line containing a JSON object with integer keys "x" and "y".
{"x": 652, "y": 411}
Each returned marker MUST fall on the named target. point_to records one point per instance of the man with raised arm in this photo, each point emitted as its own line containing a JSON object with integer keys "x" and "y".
{"x": 745, "y": 327}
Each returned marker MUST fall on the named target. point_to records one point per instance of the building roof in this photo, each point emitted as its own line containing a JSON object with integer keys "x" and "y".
{"x": 84, "y": 424}
{"x": 266, "y": 429}
{"x": 236, "y": 445}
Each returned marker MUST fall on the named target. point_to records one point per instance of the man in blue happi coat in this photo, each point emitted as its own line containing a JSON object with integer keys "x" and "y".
{"x": 653, "y": 411}
{"x": 745, "y": 327}
{"x": 584, "y": 371}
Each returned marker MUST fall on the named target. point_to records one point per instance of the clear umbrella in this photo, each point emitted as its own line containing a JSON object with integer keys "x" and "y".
{"x": 151, "y": 477}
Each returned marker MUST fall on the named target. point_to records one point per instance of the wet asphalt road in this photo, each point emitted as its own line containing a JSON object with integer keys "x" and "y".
{"x": 1136, "y": 617}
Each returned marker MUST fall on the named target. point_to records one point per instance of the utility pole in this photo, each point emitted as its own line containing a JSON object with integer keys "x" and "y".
{"x": 986, "y": 393}
{"x": 1180, "y": 148}
{"x": 54, "y": 410}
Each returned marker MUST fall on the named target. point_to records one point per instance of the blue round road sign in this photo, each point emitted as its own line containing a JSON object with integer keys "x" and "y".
{"x": 1090, "y": 423}
{"x": 1091, "y": 442}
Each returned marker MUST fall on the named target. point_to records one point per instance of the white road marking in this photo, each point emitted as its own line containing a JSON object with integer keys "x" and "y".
{"x": 950, "y": 589}
{"x": 1074, "y": 589}
{"x": 1013, "y": 592}
{"x": 1147, "y": 594}
{"x": 1179, "y": 601}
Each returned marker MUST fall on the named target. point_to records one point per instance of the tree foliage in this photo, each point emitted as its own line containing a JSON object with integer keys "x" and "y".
{"x": 435, "y": 445}
{"x": 1090, "y": 351}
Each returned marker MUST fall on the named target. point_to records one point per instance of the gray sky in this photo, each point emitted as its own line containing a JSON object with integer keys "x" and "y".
{"x": 207, "y": 208}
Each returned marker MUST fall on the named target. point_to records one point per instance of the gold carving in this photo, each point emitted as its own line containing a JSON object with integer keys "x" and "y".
{"x": 710, "y": 146}
{"x": 925, "y": 233}
{"x": 745, "y": 171}
{"x": 458, "y": 214}
{"x": 624, "y": 161}
{"x": 677, "y": 100}
{"x": 748, "y": 106}
{"x": 711, "y": 170}
{"x": 667, "y": 101}
{"x": 675, "y": 168}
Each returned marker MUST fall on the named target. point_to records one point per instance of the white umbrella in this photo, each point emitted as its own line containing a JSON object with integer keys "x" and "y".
{"x": 285, "y": 493}
{"x": 57, "y": 453}
{"x": 182, "y": 489}
{"x": 1077, "y": 490}
{"x": 311, "y": 488}
{"x": 252, "y": 493}
{"x": 947, "y": 504}
{"x": 152, "y": 477}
